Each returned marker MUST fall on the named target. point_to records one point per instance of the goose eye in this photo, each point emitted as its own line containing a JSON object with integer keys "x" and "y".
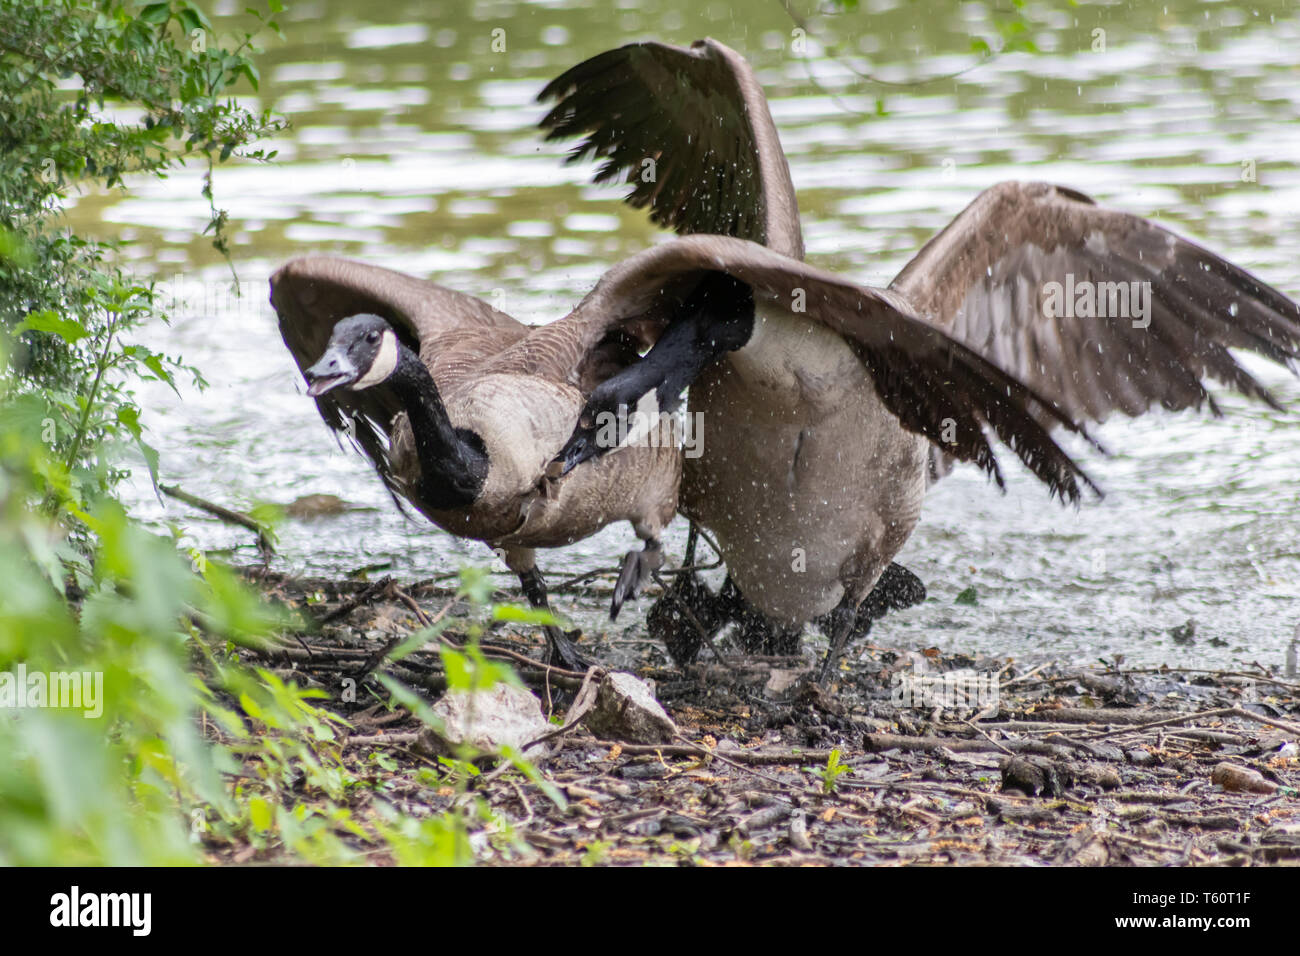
{"x": 372, "y": 337}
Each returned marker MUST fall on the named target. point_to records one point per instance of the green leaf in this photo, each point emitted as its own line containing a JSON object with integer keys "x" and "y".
{"x": 189, "y": 20}
{"x": 154, "y": 363}
{"x": 967, "y": 597}
{"x": 259, "y": 814}
{"x": 250, "y": 707}
{"x": 198, "y": 12}
{"x": 156, "y": 13}
{"x": 15, "y": 249}
{"x": 411, "y": 701}
{"x": 129, "y": 417}
{"x": 69, "y": 330}
{"x": 475, "y": 584}
{"x": 525, "y": 766}
{"x": 524, "y": 615}
{"x": 416, "y": 641}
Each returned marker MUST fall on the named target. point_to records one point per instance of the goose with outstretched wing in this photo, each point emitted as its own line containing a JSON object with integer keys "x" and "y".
{"x": 417, "y": 375}
{"x": 817, "y": 450}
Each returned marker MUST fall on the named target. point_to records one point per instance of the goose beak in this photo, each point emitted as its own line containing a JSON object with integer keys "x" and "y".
{"x": 580, "y": 447}
{"x": 334, "y": 369}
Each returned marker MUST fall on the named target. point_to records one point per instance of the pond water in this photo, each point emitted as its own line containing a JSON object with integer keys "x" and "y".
{"x": 413, "y": 147}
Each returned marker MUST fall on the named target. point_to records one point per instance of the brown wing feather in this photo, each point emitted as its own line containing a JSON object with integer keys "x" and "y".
{"x": 700, "y": 115}
{"x": 936, "y": 386}
{"x": 984, "y": 278}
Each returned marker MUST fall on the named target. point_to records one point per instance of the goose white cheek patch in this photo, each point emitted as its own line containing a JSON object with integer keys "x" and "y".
{"x": 383, "y": 365}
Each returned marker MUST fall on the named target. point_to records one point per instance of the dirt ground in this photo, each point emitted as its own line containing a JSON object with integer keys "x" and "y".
{"x": 906, "y": 757}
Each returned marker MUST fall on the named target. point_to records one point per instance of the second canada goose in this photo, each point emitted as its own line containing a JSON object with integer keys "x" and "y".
{"x": 809, "y": 481}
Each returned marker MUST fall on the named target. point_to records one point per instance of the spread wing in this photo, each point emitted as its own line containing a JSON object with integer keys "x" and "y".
{"x": 922, "y": 373}
{"x": 1000, "y": 278}
{"x": 988, "y": 277}
{"x": 690, "y": 131}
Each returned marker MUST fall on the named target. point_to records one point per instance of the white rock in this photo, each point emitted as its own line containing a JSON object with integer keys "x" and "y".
{"x": 487, "y": 720}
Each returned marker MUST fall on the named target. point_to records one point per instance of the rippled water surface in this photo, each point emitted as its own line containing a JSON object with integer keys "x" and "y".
{"x": 413, "y": 147}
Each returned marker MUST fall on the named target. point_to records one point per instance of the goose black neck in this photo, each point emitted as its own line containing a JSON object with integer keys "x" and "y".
{"x": 453, "y": 461}
{"x": 717, "y": 318}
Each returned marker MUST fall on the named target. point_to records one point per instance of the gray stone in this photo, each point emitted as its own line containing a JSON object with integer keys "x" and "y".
{"x": 626, "y": 710}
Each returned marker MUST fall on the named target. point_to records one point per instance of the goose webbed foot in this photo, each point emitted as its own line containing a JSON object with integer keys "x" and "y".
{"x": 686, "y": 617}
{"x": 563, "y": 652}
{"x": 638, "y": 568}
{"x": 896, "y": 588}
{"x": 758, "y": 633}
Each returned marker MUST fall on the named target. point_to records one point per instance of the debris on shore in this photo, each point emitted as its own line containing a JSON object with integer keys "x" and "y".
{"x": 905, "y": 757}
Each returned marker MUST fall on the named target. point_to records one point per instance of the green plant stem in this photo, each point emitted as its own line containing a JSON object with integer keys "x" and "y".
{"x": 100, "y": 367}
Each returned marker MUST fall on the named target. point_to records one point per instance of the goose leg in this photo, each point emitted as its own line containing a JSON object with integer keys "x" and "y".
{"x": 842, "y": 621}
{"x": 896, "y": 588}
{"x": 638, "y": 568}
{"x": 561, "y": 650}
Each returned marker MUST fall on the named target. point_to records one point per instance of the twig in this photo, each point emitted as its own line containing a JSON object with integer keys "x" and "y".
{"x": 375, "y": 659}
{"x": 420, "y": 616}
{"x": 688, "y": 749}
{"x": 523, "y": 799}
{"x": 1218, "y": 712}
{"x": 582, "y": 705}
{"x": 1024, "y": 677}
{"x": 972, "y": 726}
{"x": 225, "y": 514}
{"x": 1250, "y": 675}
{"x": 351, "y": 604}
{"x": 877, "y": 743}
{"x": 386, "y": 740}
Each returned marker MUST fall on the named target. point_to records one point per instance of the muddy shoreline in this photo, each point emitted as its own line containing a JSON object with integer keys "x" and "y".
{"x": 906, "y": 758}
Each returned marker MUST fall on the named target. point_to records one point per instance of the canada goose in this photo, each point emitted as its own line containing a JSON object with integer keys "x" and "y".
{"x": 442, "y": 392}
{"x": 463, "y": 410}
{"x": 809, "y": 482}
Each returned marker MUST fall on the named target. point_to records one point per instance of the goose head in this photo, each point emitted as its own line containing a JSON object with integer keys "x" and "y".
{"x": 363, "y": 351}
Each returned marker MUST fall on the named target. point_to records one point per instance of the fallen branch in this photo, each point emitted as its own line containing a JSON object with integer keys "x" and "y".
{"x": 227, "y": 515}
{"x": 877, "y": 743}
{"x": 368, "y": 593}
